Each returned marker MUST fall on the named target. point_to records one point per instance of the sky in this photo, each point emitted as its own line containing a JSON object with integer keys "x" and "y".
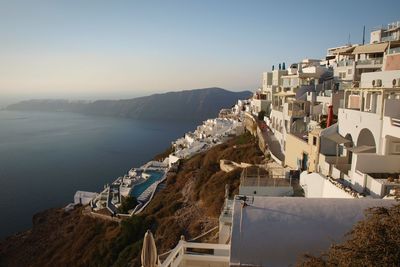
{"x": 95, "y": 49}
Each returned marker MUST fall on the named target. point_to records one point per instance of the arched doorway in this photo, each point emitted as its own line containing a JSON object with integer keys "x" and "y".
{"x": 347, "y": 145}
{"x": 366, "y": 138}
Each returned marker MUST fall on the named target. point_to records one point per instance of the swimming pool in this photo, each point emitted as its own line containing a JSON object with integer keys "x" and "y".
{"x": 137, "y": 190}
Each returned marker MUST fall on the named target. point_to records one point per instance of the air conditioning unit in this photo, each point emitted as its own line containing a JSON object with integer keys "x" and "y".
{"x": 396, "y": 82}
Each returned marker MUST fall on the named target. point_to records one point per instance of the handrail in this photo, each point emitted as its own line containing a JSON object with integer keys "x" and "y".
{"x": 193, "y": 239}
{"x": 370, "y": 61}
{"x": 180, "y": 250}
{"x": 204, "y": 234}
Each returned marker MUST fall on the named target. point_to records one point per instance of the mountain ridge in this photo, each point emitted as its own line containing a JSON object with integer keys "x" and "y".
{"x": 194, "y": 104}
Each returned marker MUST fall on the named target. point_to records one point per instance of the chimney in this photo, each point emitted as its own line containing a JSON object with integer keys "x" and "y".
{"x": 330, "y": 116}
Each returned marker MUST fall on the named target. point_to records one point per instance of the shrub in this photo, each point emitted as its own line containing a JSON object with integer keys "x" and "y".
{"x": 375, "y": 241}
{"x": 127, "y": 204}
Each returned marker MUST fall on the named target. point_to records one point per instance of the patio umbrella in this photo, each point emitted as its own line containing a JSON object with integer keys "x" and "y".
{"x": 149, "y": 251}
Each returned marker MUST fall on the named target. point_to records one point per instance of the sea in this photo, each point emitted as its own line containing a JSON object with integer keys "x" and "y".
{"x": 46, "y": 157}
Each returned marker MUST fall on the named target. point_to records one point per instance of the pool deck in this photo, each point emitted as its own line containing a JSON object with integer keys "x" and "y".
{"x": 152, "y": 173}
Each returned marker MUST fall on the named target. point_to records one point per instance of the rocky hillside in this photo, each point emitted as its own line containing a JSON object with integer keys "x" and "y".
{"x": 374, "y": 241}
{"x": 189, "y": 205}
{"x": 197, "y": 105}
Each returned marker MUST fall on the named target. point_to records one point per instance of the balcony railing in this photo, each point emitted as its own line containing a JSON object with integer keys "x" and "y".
{"x": 265, "y": 181}
{"x": 277, "y": 108}
{"x": 390, "y": 38}
{"x": 296, "y": 113}
{"x": 345, "y": 63}
{"x": 394, "y": 50}
{"x": 185, "y": 251}
{"x": 372, "y": 61}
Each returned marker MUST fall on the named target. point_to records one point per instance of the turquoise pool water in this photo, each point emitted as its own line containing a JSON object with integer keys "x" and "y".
{"x": 137, "y": 190}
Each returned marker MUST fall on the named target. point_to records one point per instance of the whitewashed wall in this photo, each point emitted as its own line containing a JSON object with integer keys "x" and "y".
{"x": 317, "y": 186}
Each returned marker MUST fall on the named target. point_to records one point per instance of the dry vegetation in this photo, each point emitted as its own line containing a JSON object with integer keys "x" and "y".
{"x": 375, "y": 241}
{"x": 189, "y": 205}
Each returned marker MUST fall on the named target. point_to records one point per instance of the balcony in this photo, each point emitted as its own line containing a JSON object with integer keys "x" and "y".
{"x": 296, "y": 109}
{"x": 391, "y": 117}
{"x": 379, "y": 185}
{"x": 184, "y": 254}
{"x": 258, "y": 181}
{"x": 389, "y": 38}
{"x": 395, "y": 50}
{"x": 370, "y": 63}
{"x": 345, "y": 63}
{"x": 277, "y": 108}
{"x": 296, "y": 113}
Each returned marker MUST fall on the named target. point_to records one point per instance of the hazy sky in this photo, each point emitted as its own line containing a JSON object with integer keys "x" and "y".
{"x": 108, "y": 49}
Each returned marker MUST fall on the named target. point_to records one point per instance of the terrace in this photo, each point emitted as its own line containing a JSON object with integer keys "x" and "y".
{"x": 258, "y": 181}
{"x": 382, "y": 184}
{"x": 186, "y": 254}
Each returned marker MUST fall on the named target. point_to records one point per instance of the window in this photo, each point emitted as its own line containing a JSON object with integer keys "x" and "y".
{"x": 314, "y": 141}
{"x": 349, "y": 71}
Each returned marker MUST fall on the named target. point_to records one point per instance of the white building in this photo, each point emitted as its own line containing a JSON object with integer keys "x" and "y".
{"x": 391, "y": 32}
{"x": 262, "y": 99}
{"x": 370, "y": 119}
{"x": 367, "y": 139}
{"x": 210, "y": 133}
{"x": 294, "y": 103}
{"x": 84, "y": 197}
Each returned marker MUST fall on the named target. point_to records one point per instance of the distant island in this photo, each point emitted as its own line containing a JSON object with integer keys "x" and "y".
{"x": 196, "y": 104}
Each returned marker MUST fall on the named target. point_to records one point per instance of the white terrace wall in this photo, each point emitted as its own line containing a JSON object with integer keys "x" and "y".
{"x": 317, "y": 186}
{"x": 372, "y": 163}
{"x": 386, "y": 77}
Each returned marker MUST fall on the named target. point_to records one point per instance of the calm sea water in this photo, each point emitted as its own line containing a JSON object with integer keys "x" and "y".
{"x": 46, "y": 157}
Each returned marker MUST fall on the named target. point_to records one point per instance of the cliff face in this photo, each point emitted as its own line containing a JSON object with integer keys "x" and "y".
{"x": 198, "y": 104}
{"x": 59, "y": 238}
{"x": 189, "y": 205}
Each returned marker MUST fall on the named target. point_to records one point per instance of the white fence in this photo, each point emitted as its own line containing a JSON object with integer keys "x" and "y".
{"x": 182, "y": 256}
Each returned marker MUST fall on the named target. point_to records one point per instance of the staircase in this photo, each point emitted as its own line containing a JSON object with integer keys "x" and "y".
{"x": 145, "y": 196}
{"x": 161, "y": 187}
{"x": 395, "y": 122}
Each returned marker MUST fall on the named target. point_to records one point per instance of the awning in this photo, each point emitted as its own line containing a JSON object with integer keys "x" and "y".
{"x": 337, "y": 138}
{"x": 361, "y": 149}
{"x": 344, "y": 50}
{"x": 371, "y": 48}
{"x": 285, "y": 94}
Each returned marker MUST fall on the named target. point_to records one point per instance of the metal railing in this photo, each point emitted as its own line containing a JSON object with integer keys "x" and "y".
{"x": 372, "y": 61}
{"x": 389, "y": 38}
{"x": 345, "y": 63}
{"x": 264, "y": 180}
{"x": 394, "y": 50}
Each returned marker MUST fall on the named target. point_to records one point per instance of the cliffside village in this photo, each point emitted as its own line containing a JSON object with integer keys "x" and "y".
{"x": 330, "y": 132}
